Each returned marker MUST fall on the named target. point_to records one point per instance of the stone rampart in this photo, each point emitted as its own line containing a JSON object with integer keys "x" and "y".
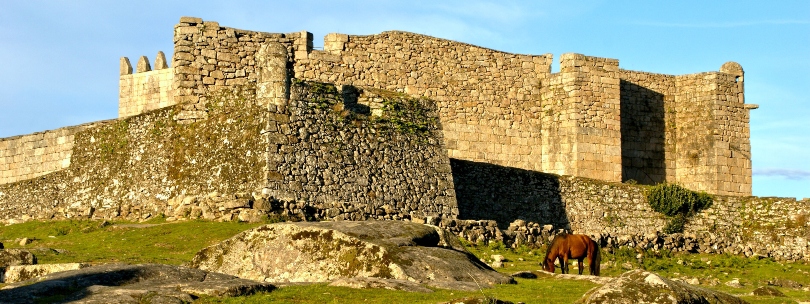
{"x": 32, "y": 155}
{"x": 146, "y": 89}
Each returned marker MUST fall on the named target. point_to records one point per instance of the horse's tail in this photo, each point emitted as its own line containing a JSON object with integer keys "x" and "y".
{"x": 596, "y": 262}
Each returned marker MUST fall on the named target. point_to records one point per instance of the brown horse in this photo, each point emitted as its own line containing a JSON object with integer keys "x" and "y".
{"x": 572, "y": 246}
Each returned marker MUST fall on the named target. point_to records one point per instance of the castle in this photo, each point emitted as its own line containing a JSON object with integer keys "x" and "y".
{"x": 400, "y": 126}
{"x": 592, "y": 119}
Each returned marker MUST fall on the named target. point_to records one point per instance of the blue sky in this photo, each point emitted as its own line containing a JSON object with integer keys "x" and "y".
{"x": 59, "y": 59}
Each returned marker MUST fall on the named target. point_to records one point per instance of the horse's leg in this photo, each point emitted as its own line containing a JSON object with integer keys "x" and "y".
{"x": 579, "y": 264}
{"x": 564, "y": 263}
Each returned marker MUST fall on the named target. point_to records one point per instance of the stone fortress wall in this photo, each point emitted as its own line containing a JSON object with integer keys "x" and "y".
{"x": 509, "y": 109}
{"x": 28, "y": 156}
{"x": 147, "y": 89}
{"x": 306, "y": 148}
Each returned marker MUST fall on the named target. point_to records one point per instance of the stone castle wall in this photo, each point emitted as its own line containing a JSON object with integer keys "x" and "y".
{"x": 501, "y": 108}
{"x": 582, "y": 120}
{"x": 33, "y": 155}
{"x": 487, "y": 100}
{"x": 777, "y": 227}
{"x": 648, "y": 144}
{"x": 147, "y": 89}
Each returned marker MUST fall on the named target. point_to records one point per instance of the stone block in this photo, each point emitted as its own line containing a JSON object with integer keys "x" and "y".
{"x": 192, "y": 20}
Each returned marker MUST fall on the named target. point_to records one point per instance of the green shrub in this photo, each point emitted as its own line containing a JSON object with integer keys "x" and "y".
{"x": 675, "y": 224}
{"x": 677, "y": 203}
{"x": 671, "y": 200}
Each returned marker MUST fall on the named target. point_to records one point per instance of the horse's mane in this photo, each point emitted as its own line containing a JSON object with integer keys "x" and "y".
{"x": 553, "y": 242}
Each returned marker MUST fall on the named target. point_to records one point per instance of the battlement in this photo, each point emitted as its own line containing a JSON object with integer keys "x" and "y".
{"x": 146, "y": 89}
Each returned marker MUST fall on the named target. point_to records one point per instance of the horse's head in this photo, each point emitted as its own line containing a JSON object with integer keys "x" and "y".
{"x": 548, "y": 265}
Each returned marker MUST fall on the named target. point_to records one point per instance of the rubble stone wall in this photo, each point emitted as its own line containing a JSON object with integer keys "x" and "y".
{"x": 327, "y": 161}
{"x": 536, "y": 205}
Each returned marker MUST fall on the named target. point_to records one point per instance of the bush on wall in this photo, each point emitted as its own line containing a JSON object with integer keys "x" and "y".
{"x": 677, "y": 203}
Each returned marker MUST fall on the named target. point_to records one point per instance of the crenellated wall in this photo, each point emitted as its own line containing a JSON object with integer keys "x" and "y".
{"x": 147, "y": 89}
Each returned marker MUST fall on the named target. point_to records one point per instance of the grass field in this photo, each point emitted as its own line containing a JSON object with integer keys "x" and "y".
{"x": 176, "y": 243}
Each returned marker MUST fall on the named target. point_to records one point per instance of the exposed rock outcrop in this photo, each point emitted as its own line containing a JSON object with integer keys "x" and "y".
{"x": 13, "y": 257}
{"x": 638, "y": 286}
{"x": 120, "y": 283}
{"x": 326, "y": 251}
{"x": 13, "y": 274}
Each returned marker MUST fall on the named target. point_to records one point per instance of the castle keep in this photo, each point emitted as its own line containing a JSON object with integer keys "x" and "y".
{"x": 592, "y": 119}
{"x": 401, "y": 126}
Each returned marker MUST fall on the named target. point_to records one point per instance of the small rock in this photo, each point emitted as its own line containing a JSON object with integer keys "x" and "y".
{"x": 497, "y": 264}
{"x": 693, "y": 281}
{"x": 768, "y": 291}
{"x": 627, "y": 265}
{"x": 104, "y": 223}
{"x": 498, "y": 258}
{"x": 25, "y": 241}
{"x": 785, "y": 283}
{"x": 735, "y": 282}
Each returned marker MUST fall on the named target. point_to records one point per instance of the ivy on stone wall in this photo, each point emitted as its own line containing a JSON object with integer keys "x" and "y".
{"x": 677, "y": 203}
{"x": 400, "y": 113}
{"x": 405, "y": 115}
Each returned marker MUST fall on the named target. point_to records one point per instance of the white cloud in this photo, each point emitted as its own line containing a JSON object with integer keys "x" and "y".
{"x": 722, "y": 24}
{"x": 793, "y": 174}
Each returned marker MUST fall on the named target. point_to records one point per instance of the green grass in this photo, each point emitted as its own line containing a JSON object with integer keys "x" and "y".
{"x": 176, "y": 243}
{"x": 172, "y": 243}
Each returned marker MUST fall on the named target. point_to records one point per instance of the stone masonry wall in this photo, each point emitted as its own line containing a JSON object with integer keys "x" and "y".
{"x": 208, "y": 58}
{"x": 648, "y": 116}
{"x": 147, "y": 89}
{"x": 532, "y": 206}
{"x": 32, "y": 155}
{"x": 326, "y": 165}
{"x": 351, "y": 165}
{"x": 732, "y": 137}
{"x": 495, "y": 107}
{"x": 487, "y": 100}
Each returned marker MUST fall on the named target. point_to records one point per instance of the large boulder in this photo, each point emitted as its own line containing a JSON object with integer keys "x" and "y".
{"x": 13, "y": 257}
{"x": 326, "y": 251}
{"x": 638, "y": 286}
{"x": 121, "y": 283}
{"x": 14, "y": 274}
